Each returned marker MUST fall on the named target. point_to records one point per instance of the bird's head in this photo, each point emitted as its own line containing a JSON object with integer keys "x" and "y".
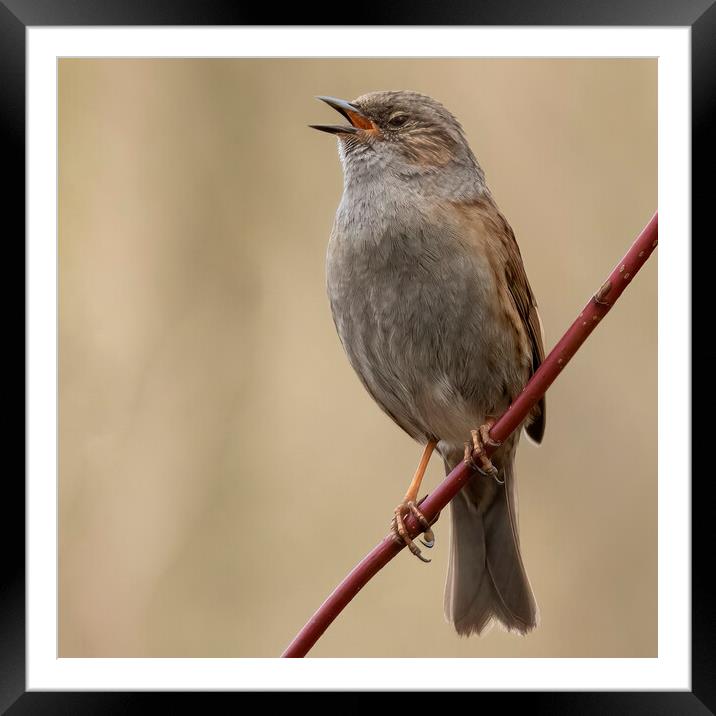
{"x": 406, "y": 132}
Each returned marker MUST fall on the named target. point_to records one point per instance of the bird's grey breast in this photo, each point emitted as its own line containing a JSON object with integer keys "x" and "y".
{"x": 411, "y": 306}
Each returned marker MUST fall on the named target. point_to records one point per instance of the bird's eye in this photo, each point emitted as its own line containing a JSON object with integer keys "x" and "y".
{"x": 398, "y": 120}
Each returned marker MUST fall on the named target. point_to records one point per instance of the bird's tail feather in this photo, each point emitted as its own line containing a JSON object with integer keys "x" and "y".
{"x": 486, "y": 578}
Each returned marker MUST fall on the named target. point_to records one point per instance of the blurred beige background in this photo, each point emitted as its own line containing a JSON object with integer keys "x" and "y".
{"x": 221, "y": 467}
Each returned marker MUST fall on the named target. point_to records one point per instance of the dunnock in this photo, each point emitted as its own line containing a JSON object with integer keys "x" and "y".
{"x": 433, "y": 307}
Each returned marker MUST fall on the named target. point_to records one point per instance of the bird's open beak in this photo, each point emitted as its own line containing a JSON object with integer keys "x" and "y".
{"x": 356, "y": 118}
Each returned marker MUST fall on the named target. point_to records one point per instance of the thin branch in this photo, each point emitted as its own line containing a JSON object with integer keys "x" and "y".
{"x": 598, "y": 307}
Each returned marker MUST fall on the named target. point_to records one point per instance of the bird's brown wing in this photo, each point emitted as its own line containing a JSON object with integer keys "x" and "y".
{"x": 505, "y": 256}
{"x": 526, "y": 305}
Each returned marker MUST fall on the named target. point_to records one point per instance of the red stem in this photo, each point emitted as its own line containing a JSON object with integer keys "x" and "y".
{"x": 511, "y": 419}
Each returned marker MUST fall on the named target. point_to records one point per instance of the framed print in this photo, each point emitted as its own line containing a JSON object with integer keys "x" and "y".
{"x": 203, "y": 467}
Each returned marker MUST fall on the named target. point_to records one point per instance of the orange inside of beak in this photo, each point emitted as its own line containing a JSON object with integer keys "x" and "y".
{"x": 358, "y": 120}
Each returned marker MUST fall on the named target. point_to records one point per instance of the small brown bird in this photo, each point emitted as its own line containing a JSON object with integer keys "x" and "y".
{"x": 433, "y": 307}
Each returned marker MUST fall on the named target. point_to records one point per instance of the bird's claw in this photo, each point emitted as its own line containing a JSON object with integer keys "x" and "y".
{"x": 480, "y": 438}
{"x": 400, "y": 533}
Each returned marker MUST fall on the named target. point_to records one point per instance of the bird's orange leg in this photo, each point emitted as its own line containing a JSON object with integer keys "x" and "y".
{"x": 408, "y": 505}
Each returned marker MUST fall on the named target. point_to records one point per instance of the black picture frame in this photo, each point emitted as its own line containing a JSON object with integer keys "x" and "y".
{"x": 699, "y": 15}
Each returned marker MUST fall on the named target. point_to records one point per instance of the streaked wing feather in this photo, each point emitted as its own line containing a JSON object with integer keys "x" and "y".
{"x": 500, "y": 235}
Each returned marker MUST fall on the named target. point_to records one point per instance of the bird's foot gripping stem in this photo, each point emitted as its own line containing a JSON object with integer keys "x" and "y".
{"x": 475, "y": 454}
{"x": 400, "y": 533}
{"x": 408, "y": 506}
